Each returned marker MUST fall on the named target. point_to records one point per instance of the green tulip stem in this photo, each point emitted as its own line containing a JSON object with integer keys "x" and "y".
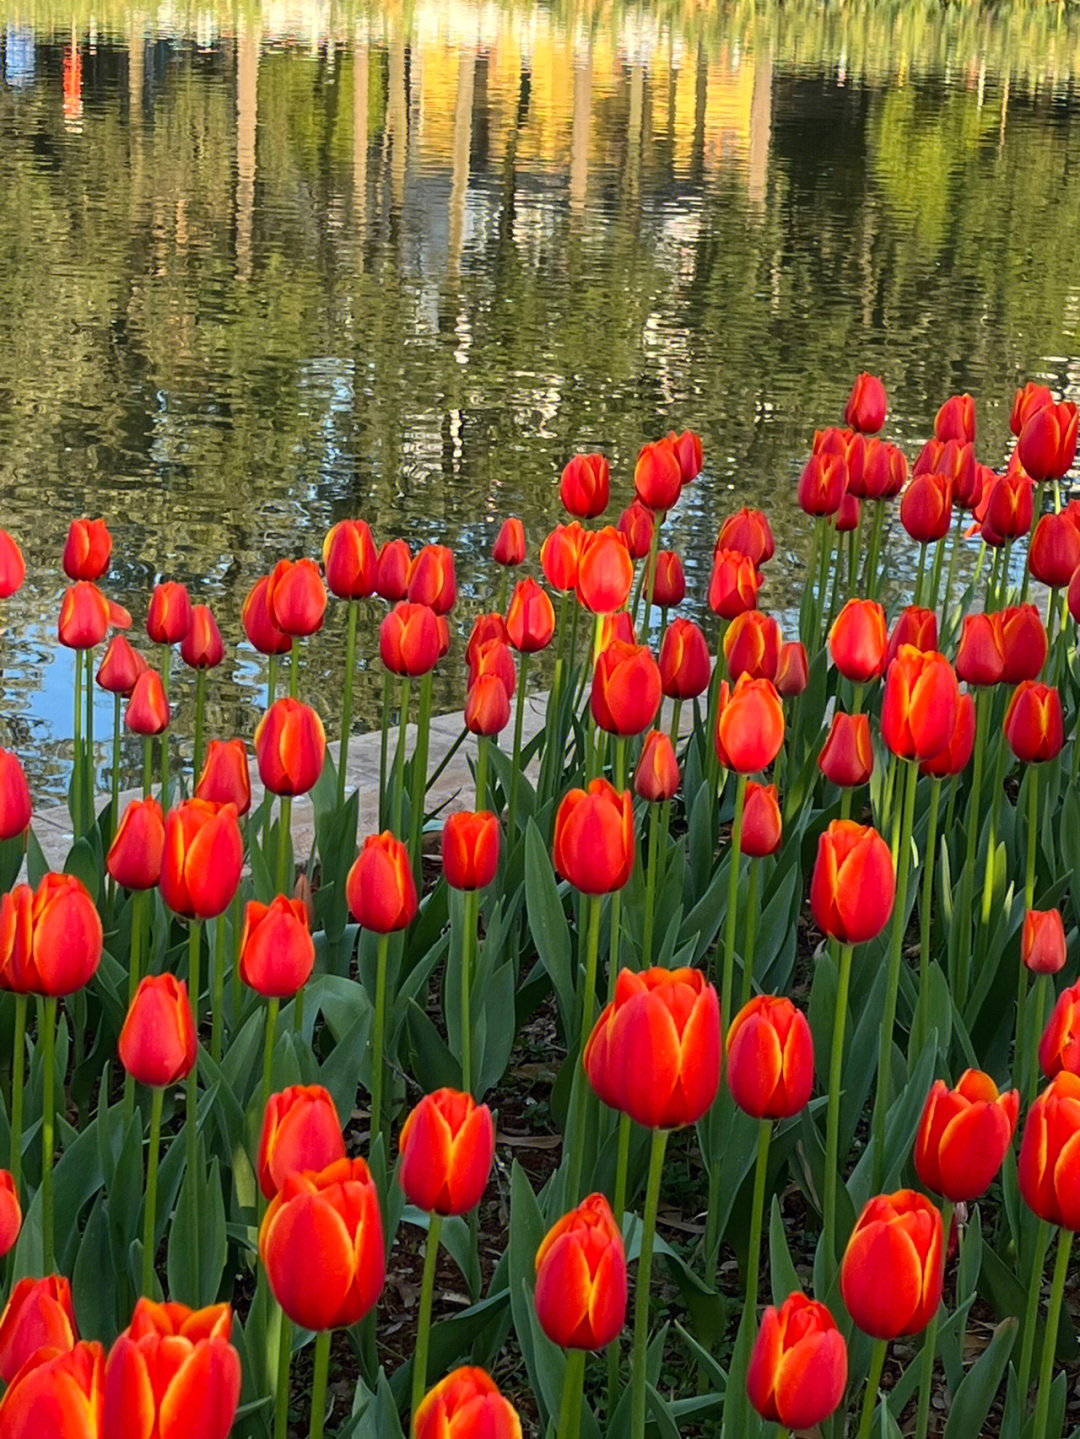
{"x": 191, "y": 1117}
{"x": 115, "y": 788}
{"x": 648, "y": 577}
{"x": 573, "y": 1388}
{"x": 1031, "y": 1313}
{"x": 554, "y": 732}
{"x": 468, "y": 964}
{"x": 378, "y": 1038}
{"x": 828, "y": 535}
{"x": 18, "y": 1069}
{"x": 622, "y": 1167}
{"x": 641, "y": 1286}
{"x": 166, "y": 659}
{"x": 200, "y": 718}
{"x": 346, "y": 698}
{"x": 217, "y": 1000}
{"x": 926, "y": 918}
{"x": 157, "y": 1099}
{"x": 920, "y": 575}
{"x": 750, "y": 930}
{"x": 753, "y": 1254}
{"x": 271, "y": 680}
{"x": 995, "y": 815}
{"x": 284, "y": 1364}
{"x": 896, "y": 942}
{"x": 1032, "y": 834}
{"x": 873, "y": 1379}
{"x": 519, "y": 720}
{"x": 712, "y": 759}
{"x": 954, "y": 555}
{"x": 929, "y": 1349}
{"x": 398, "y": 783}
{"x": 423, "y": 1326}
{"x": 47, "y": 1025}
{"x": 982, "y": 724}
{"x": 870, "y": 574}
{"x": 135, "y": 965}
{"x": 1026, "y": 1067}
{"x": 318, "y": 1382}
{"x": 482, "y": 742}
{"x": 419, "y": 772}
{"x": 235, "y": 938}
{"x": 1053, "y": 1319}
{"x": 269, "y": 1041}
{"x": 147, "y": 765}
{"x": 592, "y": 950}
{"x": 650, "y": 893}
{"x": 294, "y": 670}
{"x": 77, "y": 751}
{"x": 284, "y": 840}
{"x": 384, "y": 743}
{"x": 734, "y": 865}
{"x": 832, "y": 1120}
{"x": 935, "y": 575}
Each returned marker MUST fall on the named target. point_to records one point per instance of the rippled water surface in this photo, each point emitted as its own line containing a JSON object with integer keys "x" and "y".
{"x": 264, "y": 268}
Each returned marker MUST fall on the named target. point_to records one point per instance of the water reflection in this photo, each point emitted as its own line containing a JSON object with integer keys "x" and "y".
{"x": 269, "y": 267}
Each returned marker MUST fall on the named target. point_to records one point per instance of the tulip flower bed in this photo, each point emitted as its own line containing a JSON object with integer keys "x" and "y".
{"x": 790, "y": 952}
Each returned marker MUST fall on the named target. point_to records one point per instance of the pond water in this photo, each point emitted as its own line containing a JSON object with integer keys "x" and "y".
{"x": 265, "y": 268}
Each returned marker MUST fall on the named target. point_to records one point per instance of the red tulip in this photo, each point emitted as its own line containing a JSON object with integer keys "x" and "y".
{"x": 15, "y": 808}
{"x": 605, "y": 572}
{"x": 560, "y": 556}
{"x": 847, "y": 757}
{"x": 487, "y": 706}
{"x": 858, "y": 641}
{"x": 688, "y": 450}
{"x": 667, "y": 583}
{"x": 1033, "y": 723}
{"x": 1054, "y": 553}
{"x": 581, "y": 1278}
{"x": 61, "y": 1394}
{"x": 748, "y": 532}
{"x": 1028, "y": 402}
{"x": 847, "y": 516}
{"x": 290, "y": 747}
{"x": 954, "y": 757}
{"x": 867, "y": 404}
{"x": 918, "y": 713}
{"x": 202, "y": 858}
{"x": 749, "y": 725}
{"x": 50, "y": 938}
{"x": 980, "y": 659}
{"x": 1049, "y": 1153}
{"x": 202, "y": 648}
{"x": 1059, "y": 1047}
{"x": 296, "y": 597}
{"x": 798, "y": 1367}
{"x": 586, "y": 486}
{"x": 1047, "y": 443}
{"x": 147, "y": 711}
{"x": 12, "y": 566}
{"x": 762, "y": 825}
{"x": 86, "y": 553}
{"x": 594, "y": 838}
{"x": 530, "y": 620}
{"x": 172, "y": 1374}
{"x": 169, "y": 613}
{"x": 134, "y": 858}
{"x": 964, "y": 1135}
{"x": 158, "y": 1044}
{"x": 432, "y": 581}
{"x": 914, "y": 626}
{"x": 84, "y": 616}
{"x": 684, "y": 663}
{"x": 301, "y": 1131}
{"x": 657, "y": 774}
{"x": 10, "y": 1213}
{"x": 636, "y": 525}
{"x": 1009, "y": 507}
{"x": 470, "y": 849}
{"x": 380, "y": 888}
{"x": 509, "y": 546}
{"x": 853, "y": 884}
{"x": 891, "y": 1273}
{"x": 120, "y": 666}
{"x": 1023, "y": 643}
{"x": 884, "y": 472}
{"x": 493, "y": 658}
{"x": 226, "y": 776}
{"x": 38, "y": 1316}
{"x": 626, "y": 694}
{"x": 926, "y": 508}
{"x": 259, "y": 624}
{"x": 956, "y": 420}
{"x": 409, "y": 640}
{"x": 792, "y": 670}
{"x": 770, "y": 1058}
{"x": 1042, "y": 941}
{"x": 277, "y": 953}
{"x": 350, "y": 560}
{"x": 734, "y": 584}
{"x": 392, "y": 571}
{"x": 752, "y": 646}
{"x": 658, "y": 476}
{"x": 486, "y": 627}
{"x": 447, "y": 1148}
{"x": 465, "y": 1405}
{"x": 823, "y": 484}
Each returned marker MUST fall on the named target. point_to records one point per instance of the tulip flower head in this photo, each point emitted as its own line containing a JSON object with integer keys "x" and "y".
{"x": 169, "y": 613}
{"x": 226, "y": 776}
{"x": 581, "y": 1278}
{"x": 926, "y": 507}
{"x": 409, "y": 640}
{"x": 560, "y": 556}
{"x": 770, "y": 1058}
{"x": 85, "y": 616}
{"x": 301, "y": 1131}
{"x": 657, "y": 775}
{"x": 734, "y": 584}
{"x": 792, "y": 670}
{"x": 202, "y": 858}
{"x": 1023, "y": 643}
{"x": 1059, "y": 1047}
{"x": 259, "y": 624}
{"x": 762, "y": 828}
{"x": 87, "y": 551}
{"x": 688, "y": 450}
{"x": 1050, "y": 1152}
{"x": 530, "y": 620}
{"x": 685, "y": 666}
{"x": 752, "y": 646}
{"x": 392, "y": 571}
{"x": 447, "y": 1148}
{"x": 296, "y": 597}
{"x": 509, "y": 546}
{"x": 57, "y": 1393}
{"x": 956, "y": 420}
{"x": 914, "y": 626}
{"x": 277, "y": 953}
{"x": 605, "y": 571}
{"x": 749, "y": 725}
{"x": 38, "y": 1315}
{"x": 918, "y": 713}
{"x": 432, "y": 581}
{"x": 1054, "y": 552}
{"x": 585, "y": 486}
{"x": 858, "y": 641}
{"x": 892, "y": 1270}
{"x": 158, "y": 1045}
{"x": 798, "y": 1367}
{"x": 1042, "y": 941}
{"x": 594, "y": 844}
{"x": 636, "y": 525}
{"x": 748, "y": 531}
{"x": 15, "y": 807}
{"x": 380, "y": 888}
{"x": 1027, "y": 402}
{"x": 147, "y": 711}
{"x": 853, "y": 884}
{"x": 465, "y": 1405}
{"x": 201, "y": 647}
{"x": 50, "y": 938}
{"x": 1033, "y": 722}
{"x": 350, "y": 560}
{"x": 847, "y": 756}
{"x": 964, "y": 1135}
{"x": 823, "y": 484}
{"x": 666, "y": 585}
{"x": 10, "y": 1213}
{"x": 487, "y": 706}
{"x": 867, "y": 405}
{"x": 120, "y": 667}
{"x": 658, "y": 476}
{"x": 1047, "y": 443}
{"x": 290, "y": 747}
{"x": 172, "y": 1360}
{"x": 470, "y": 849}
{"x": 626, "y": 689}
{"x": 980, "y": 658}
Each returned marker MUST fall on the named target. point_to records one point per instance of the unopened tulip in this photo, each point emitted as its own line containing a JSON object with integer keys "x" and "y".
{"x": 1042, "y": 941}
{"x": 202, "y": 858}
{"x": 169, "y": 613}
{"x": 1027, "y": 402}
{"x": 752, "y": 646}
{"x": 486, "y": 628}
{"x": 654, "y": 1053}
{"x": 853, "y": 884}
{"x": 84, "y": 616}
{"x": 684, "y": 662}
{"x": 50, "y": 938}
{"x": 465, "y": 1405}
{"x": 59, "y": 1394}
{"x": 847, "y": 756}
{"x": 636, "y": 525}
{"x": 594, "y": 838}
{"x": 226, "y": 776}
{"x": 301, "y": 1131}
{"x": 1048, "y": 1153}
{"x": 530, "y": 619}
{"x": 380, "y": 888}
{"x": 147, "y": 711}
{"x": 172, "y": 1361}
{"x": 350, "y": 560}
{"x": 747, "y": 531}
{"x": 926, "y": 507}
{"x": 581, "y": 1278}
{"x": 290, "y": 747}
{"x": 1023, "y": 643}
{"x": 867, "y": 405}
{"x": 657, "y": 775}
{"x": 1059, "y": 1047}
{"x": 470, "y": 849}
{"x": 749, "y": 725}
{"x": 134, "y": 858}
{"x": 918, "y": 713}
{"x": 10, "y": 1213}
{"x": 296, "y": 597}
{"x": 626, "y": 694}
{"x": 762, "y": 826}
{"x": 1054, "y": 553}
{"x": 321, "y": 1243}
{"x": 447, "y": 1148}
{"x": 509, "y": 546}
{"x": 560, "y": 556}
{"x": 12, "y": 566}
{"x": 1009, "y": 507}
{"x": 954, "y": 757}
{"x": 120, "y": 666}
{"x": 38, "y": 1315}
{"x": 858, "y": 641}
{"x": 770, "y": 1058}
{"x": 980, "y": 658}
{"x": 847, "y": 516}
{"x": 409, "y": 639}
{"x": 1047, "y": 443}
{"x": 689, "y": 453}
{"x": 605, "y": 572}
{"x": 1033, "y": 723}
{"x": 667, "y": 582}
{"x": 277, "y": 953}
{"x": 823, "y": 484}
{"x": 964, "y": 1135}
{"x": 792, "y": 670}
{"x": 586, "y": 486}
{"x": 733, "y": 585}
{"x": 202, "y": 647}
{"x": 487, "y": 706}
{"x": 956, "y": 419}
{"x": 914, "y": 626}
{"x": 658, "y": 476}
{"x": 392, "y": 571}
{"x": 798, "y": 1367}
{"x": 432, "y": 581}
{"x": 884, "y": 472}
{"x": 892, "y": 1270}
{"x": 15, "y": 808}
{"x": 87, "y": 551}
{"x": 259, "y": 624}
{"x": 158, "y": 1043}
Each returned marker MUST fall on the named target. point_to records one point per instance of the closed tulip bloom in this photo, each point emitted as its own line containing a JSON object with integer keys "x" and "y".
{"x": 465, "y": 1405}
{"x": 1027, "y": 402}
{"x": 487, "y": 706}
{"x": 636, "y": 525}
{"x": 350, "y": 560}
{"x": 688, "y": 451}
{"x": 277, "y": 953}
{"x": 822, "y": 484}
{"x": 447, "y": 1147}
{"x": 749, "y": 725}
{"x": 560, "y": 556}
{"x": 926, "y": 508}
{"x": 87, "y": 551}
{"x": 956, "y": 754}
{"x": 657, "y": 774}
{"x": 380, "y": 888}
{"x": 1050, "y": 1153}
{"x": 658, "y": 476}
{"x": 509, "y": 546}
{"x": 172, "y": 1374}
{"x": 956, "y": 419}
{"x": 59, "y": 1394}
{"x": 733, "y": 585}
{"x": 409, "y": 640}
{"x": 770, "y": 1058}
{"x": 853, "y": 884}
{"x": 585, "y": 486}
{"x": 1010, "y": 506}
{"x": 798, "y": 1367}
{"x": 470, "y": 849}
{"x": 1059, "y": 1047}
{"x": 226, "y": 776}
{"x": 158, "y": 1042}
{"x": 259, "y": 624}
{"x": 964, "y": 1135}
{"x": 1033, "y": 723}
{"x": 296, "y": 597}
{"x": 1047, "y": 443}
{"x": 169, "y": 613}
{"x": 847, "y": 756}
{"x": 1054, "y": 553}
{"x": 494, "y": 658}
{"x": 654, "y": 1053}
{"x": 792, "y": 670}
{"x": 747, "y": 531}
{"x": 12, "y": 566}
{"x": 530, "y": 620}
{"x": 980, "y": 658}
{"x": 867, "y": 405}
{"x": 202, "y": 858}
{"x": 914, "y": 626}
{"x": 581, "y": 1278}
{"x": 918, "y": 713}
{"x": 300, "y": 1131}
{"x": 147, "y": 711}
{"x": 134, "y": 858}
{"x": 431, "y": 579}
{"x": 321, "y": 1243}
{"x": 202, "y": 647}
{"x": 605, "y": 572}
{"x": 120, "y": 666}
{"x": 762, "y": 826}
{"x": 858, "y": 641}
{"x": 892, "y": 1270}
{"x": 15, "y": 809}
{"x": 290, "y": 747}
{"x": 667, "y": 582}
{"x": 847, "y": 516}
{"x": 392, "y": 571}
{"x": 884, "y": 472}
{"x": 1073, "y": 596}
{"x": 485, "y": 629}
{"x": 10, "y": 1213}
{"x": 594, "y": 838}
{"x": 752, "y": 645}
{"x": 684, "y": 662}
{"x": 626, "y": 693}
{"x": 1023, "y": 643}
{"x": 50, "y": 938}
{"x": 84, "y": 616}
{"x": 38, "y": 1315}
{"x": 1042, "y": 941}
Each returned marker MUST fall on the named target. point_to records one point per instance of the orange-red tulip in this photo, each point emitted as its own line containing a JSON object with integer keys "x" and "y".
{"x": 1042, "y": 941}
{"x": 226, "y": 777}
{"x": 762, "y": 826}
{"x": 858, "y": 641}
{"x": 657, "y": 774}
{"x": 956, "y": 419}
{"x": 926, "y": 507}
{"x": 964, "y": 1135}
{"x": 823, "y": 484}
{"x": 259, "y": 624}
{"x": 409, "y": 640}
{"x": 1023, "y": 643}
{"x": 884, "y": 472}
{"x": 12, "y": 566}
{"x": 792, "y": 670}
{"x": 10, "y": 1213}
{"x": 158, "y": 1043}
{"x": 658, "y": 476}
{"x": 120, "y": 666}
{"x": 847, "y": 516}
{"x": 581, "y": 1278}
{"x": 465, "y": 1405}
{"x": 636, "y": 525}
{"x": 770, "y": 1058}
{"x": 1047, "y": 443}
{"x": 667, "y": 582}
{"x": 594, "y": 838}
{"x": 15, "y": 808}
{"x": 892, "y": 1270}
{"x": 1059, "y": 1047}
{"x": 530, "y": 620}
{"x": 914, "y": 626}
{"x": 954, "y": 757}
{"x": 853, "y": 884}
{"x": 847, "y": 756}
{"x": 1054, "y": 552}
{"x": 586, "y": 486}
{"x": 733, "y": 585}
{"x": 798, "y": 1367}
{"x": 84, "y": 616}
{"x": 867, "y": 405}
{"x": 749, "y": 725}
{"x": 1009, "y": 508}
{"x": 752, "y": 646}
{"x": 486, "y": 627}
{"x": 626, "y": 692}
{"x": 38, "y": 1315}
{"x": 392, "y": 571}
{"x": 277, "y": 953}
{"x": 470, "y": 849}
{"x": 605, "y": 572}
{"x": 202, "y": 647}
{"x": 380, "y": 888}
{"x": 1027, "y": 402}
{"x": 918, "y": 713}
{"x": 169, "y": 613}
{"x": 301, "y": 1131}
{"x": 202, "y": 858}
{"x": 59, "y": 1394}
{"x": 321, "y": 1244}
{"x": 87, "y": 551}
{"x": 147, "y": 711}
{"x": 560, "y": 556}
{"x": 487, "y": 706}
{"x": 431, "y": 579}
{"x": 685, "y": 666}
{"x": 689, "y": 453}
{"x": 980, "y": 658}
{"x": 296, "y": 597}
{"x": 447, "y": 1147}
{"x": 1050, "y": 1153}
{"x": 350, "y": 560}
{"x": 509, "y": 546}
{"x": 747, "y": 531}
{"x": 290, "y": 747}
{"x": 1033, "y": 723}
{"x": 50, "y": 938}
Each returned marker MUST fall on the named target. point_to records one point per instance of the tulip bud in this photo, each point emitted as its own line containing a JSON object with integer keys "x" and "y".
{"x": 798, "y": 1367}
{"x": 147, "y": 711}
{"x": 666, "y": 585}
{"x": 15, "y": 809}
{"x": 980, "y": 658}
{"x": 867, "y": 405}
{"x": 120, "y": 667}
{"x": 84, "y": 616}
{"x": 847, "y": 757}
{"x": 86, "y": 553}
{"x": 853, "y": 884}
{"x": 171, "y": 1356}
{"x": 657, "y": 774}
{"x": 1054, "y": 553}
{"x": 392, "y": 571}
{"x": 409, "y": 640}
{"x": 1010, "y": 506}
{"x": 914, "y": 626}
{"x": 487, "y": 706}
{"x": 1033, "y": 723}
{"x": 486, "y": 627}
{"x": 1059, "y": 1047}
{"x": 884, "y": 472}
{"x": 625, "y": 696}
{"x": 847, "y": 516}
{"x": 509, "y": 546}
{"x": 1028, "y": 402}
{"x": 954, "y": 757}
{"x": 581, "y": 1278}
{"x": 296, "y": 597}
{"x": 321, "y": 1243}
{"x": 431, "y": 579}
{"x": 10, "y": 1213}
{"x": 636, "y": 525}
{"x": 169, "y": 613}
{"x": 277, "y": 953}
{"x": 12, "y": 566}
{"x": 56, "y": 1392}
{"x": 926, "y": 508}
{"x": 447, "y": 1148}
{"x": 956, "y": 420}
{"x": 762, "y": 825}
{"x": 465, "y": 1405}
{"x": 1047, "y": 443}
{"x": 259, "y": 624}
{"x": 1023, "y": 643}
{"x": 792, "y": 670}
{"x": 560, "y": 556}
{"x": 658, "y": 476}
{"x": 202, "y": 648}
{"x": 823, "y": 484}
{"x": 892, "y": 1270}
{"x": 470, "y": 849}
{"x": 50, "y": 938}
{"x": 158, "y": 1044}
{"x": 290, "y": 747}
{"x": 226, "y": 778}
{"x": 752, "y": 645}
{"x": 134, "y": 858}
{"x": 530, "y": 620}
{"x": 202, "y": 858}
{"x": 301, "y": 1131}
{"x": 858, "y": 641}
{"x": 770, "y": 1058}
{"x": 605, "y": 572}
{"x": 918, "y": 713}
{"x": 594, "y": 838}
{"x": 350, "y": 560}
{"x": 38, "y": 1315}
{"x": 749, "y": 725}
{"x": 1046, "y": 1167}
{"x": 1042, "y": 941}
{"x": 688, "y": 451}
{"x": 748, "y": 532}
{"x": 380, "y": 888}
{"x": 734, "y": 584}
{"x": 585, "y": 486}
{"x": 964, "y": 1135}
{"x": 685, "y": 666}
